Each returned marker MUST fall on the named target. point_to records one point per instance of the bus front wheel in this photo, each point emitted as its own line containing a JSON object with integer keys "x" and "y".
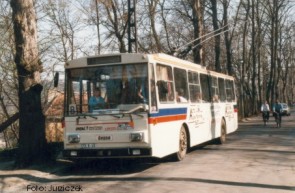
{"x": 182, "y": 144}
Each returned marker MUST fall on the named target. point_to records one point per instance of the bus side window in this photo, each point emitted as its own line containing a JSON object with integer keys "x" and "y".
{"x": 205, "y": 87}
{"x": 181, "y": 90}
{"x": 194, "y": 87}
{"x": 221, "y": 86}
{"x": 214, "y": 89}
{"x": 165, "y": 83}
{"x": 230, "y": 96}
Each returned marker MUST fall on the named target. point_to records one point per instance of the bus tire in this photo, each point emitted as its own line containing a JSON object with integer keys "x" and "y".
{"x": 183, "y": 144}
{"x": 222, "y": 138}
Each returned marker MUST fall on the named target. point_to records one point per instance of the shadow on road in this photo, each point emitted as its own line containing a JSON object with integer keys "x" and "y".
{"x": 107, "y": 167}
{"x": 147, "y": 179}
{"x": 89, "y": 167}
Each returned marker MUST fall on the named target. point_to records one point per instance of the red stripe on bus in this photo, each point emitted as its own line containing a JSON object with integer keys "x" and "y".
{"x": 155, "y": 120}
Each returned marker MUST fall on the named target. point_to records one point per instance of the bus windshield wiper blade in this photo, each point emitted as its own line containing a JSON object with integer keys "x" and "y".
{"x": 117, "y": 116}
{"x": 92, "y": 116}
{"x": 138, "y": 107}
{"x": 84, "y": 117}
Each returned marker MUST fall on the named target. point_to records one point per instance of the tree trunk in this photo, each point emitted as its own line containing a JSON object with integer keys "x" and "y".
{"x": 271, "y": 88}
{"x": 244, "y": 111}
{"x": 261, "y": 95}
{"x": 217, "y": 37}
{"x": 254, "y": 55}
{"x": 31, "y": 122}
{"x": 152, "y": 15}
{"x": 198, "y": 31}
{"x": 118, "y": 33}
{"x": 97, "y": 22}
{"x": 227, "y": 38}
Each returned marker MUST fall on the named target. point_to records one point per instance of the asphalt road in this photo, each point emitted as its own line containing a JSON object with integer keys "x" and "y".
{"x": 255, "y": 159}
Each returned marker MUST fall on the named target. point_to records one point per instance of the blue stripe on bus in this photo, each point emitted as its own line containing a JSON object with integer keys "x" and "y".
{"x": 169, "y": 112}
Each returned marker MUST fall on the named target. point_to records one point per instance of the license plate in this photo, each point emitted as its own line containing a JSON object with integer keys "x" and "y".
{"x": 88, "y": 145}
{"x": 104, "y": 138}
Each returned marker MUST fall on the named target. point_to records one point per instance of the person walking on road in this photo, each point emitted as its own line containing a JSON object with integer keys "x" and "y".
{"x": 265, "y": 110}
{"x": 277, "y": 110}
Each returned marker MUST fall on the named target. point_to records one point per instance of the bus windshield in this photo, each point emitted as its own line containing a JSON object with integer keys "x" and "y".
{"x": 106, "y": 89}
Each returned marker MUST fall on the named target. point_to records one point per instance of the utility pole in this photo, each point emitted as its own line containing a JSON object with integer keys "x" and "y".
{"x": 132, "y": 32}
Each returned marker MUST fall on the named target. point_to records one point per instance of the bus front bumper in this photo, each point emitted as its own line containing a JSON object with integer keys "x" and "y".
{"x": 107, "y": 153}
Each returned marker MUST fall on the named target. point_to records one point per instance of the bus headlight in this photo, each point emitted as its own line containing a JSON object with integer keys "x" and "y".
{"x": 74, "y": 138}
{"x": 136, "y": 136}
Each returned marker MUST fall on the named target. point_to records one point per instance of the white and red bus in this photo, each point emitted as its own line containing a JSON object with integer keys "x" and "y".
{"x": 151, "y": 105}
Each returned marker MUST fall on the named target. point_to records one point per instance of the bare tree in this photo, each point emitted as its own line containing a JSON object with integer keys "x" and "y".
{"x": 63, "y": 27}
{"x": 8, "y": 80}
{"x": 32, "y": 143}
{"x": 276, "y": 11}
{"x": 92, "y": 10}
{"x": 116, "y": 21}
{"x": 152, "y": 7}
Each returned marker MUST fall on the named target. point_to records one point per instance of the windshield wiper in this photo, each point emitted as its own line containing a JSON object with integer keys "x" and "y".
{"x": 116, "y": 116}
{"x": 84, "y": 117}
{"x": 138, "y": 107}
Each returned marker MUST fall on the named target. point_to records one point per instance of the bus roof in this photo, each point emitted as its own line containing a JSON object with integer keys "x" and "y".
{"x": 174, "y": 60}
{"x": 168, "y": 59}
{"x": 139, "y": 58}
{"x": 107, "y": 59}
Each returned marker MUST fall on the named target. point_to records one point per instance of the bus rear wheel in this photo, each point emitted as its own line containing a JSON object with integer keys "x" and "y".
{"x": 182, "y": 144}
{"x": 222, "y": 138}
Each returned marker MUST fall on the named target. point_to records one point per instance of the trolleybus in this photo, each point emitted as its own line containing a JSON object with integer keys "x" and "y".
{"x": 151, "y": 105}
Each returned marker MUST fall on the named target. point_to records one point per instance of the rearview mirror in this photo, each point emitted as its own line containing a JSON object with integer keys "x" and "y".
{"x": 56, "y": 79}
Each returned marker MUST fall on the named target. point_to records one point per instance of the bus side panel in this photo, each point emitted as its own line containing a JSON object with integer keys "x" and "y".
{"x": 231, "y": 118}
{"x": 199, "y": 122}
{"x": 165, "y": 138}
{"x": 217, "y": 114}
{"x": 165, "y": 129}
{"x": 204, "y": 121}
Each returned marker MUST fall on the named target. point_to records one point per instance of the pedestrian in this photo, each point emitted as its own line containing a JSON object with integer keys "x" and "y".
{"x": 265, "y": 110}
